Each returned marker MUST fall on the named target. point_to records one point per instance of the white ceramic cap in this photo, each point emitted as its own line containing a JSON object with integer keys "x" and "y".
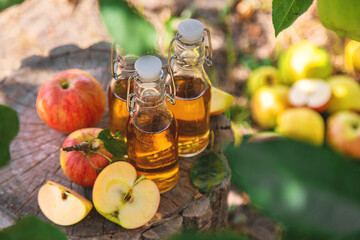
{"x": 148, "y": 67}
{"x": 191, "y": 30}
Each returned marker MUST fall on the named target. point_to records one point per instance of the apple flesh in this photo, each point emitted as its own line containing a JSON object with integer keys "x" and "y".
{"x": 122, "y": 198}
{"x": 267, "y": 103}
{"x": 82, "y": 167}
{"x": 343, "y": 133}
{"x": 71, "y": 100}
{"x": 345, "y": 94}
{"x": 62, "y": 205}
{"x": 261, "y": 77}
{"x": 304, "y": 60}
{"x": 302, "y": 124}
{"x": 220, "y": 101}
{"x": 311, "y": 93}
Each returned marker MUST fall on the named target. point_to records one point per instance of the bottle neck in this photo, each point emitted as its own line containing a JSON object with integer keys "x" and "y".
{"x": 149, "y": 94}
{"x": 189, "y": 55}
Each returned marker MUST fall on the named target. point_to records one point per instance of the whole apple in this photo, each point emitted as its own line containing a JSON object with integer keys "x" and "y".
{"x": 83, "y": 166}
{"x": 302, "y": 124}
{"x": 267, "y": 103}
{"x": 304, "y": 60}
{"x": 343, "y": 133}
{"x": 71, "y": 100}
{"x": 262, "y": 76}
{"x": 349, "y": 51}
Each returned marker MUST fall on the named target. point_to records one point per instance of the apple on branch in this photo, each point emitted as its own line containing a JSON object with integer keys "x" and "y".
{"x": 122, "y": 198}
{"x": 82, "y": 156}
{"x": 62, "y": 205}
{"x": 343, "y": 133}
{"x": 311, "y": 93}
{"x": 70, "y": 100}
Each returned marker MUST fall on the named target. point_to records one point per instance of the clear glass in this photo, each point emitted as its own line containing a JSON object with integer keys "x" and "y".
{"x": 192, "y": 100}
{"x": 117, "y": 90}
{"x": 152, "y": 135}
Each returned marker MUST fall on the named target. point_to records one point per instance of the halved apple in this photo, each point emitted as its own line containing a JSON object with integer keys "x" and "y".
{"x": 311, "y": 93}
{"x": 62, "y": 205}
{"x": 220, "y": 101}
{"x": 123, "y": 199}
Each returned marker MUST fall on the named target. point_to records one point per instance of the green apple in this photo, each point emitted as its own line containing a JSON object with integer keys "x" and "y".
{"x": 349, "y": 51}
{"x": 62, "y": 205}
{"x": 356, "y": 62}
{"x": 262, "y": 76}
{"x": 341, "y": 16}
{"x": 304, "y": 60}
{"x": 345, "y": 94}
{"x": 267, "y": 103}
{"x": 343, "y": 133}
{"x": 122, "y": 198}
{"x": 302, "y": 124}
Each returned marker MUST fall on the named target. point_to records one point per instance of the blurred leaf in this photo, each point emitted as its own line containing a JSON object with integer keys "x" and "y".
{"x": 115, "y": 145}
{"x": 32, "y": 227}
{"x": 9, "y": 128}
{"x": 308, "y": 189}
{"x": 207, "y": 172}
{"x": 239, "y": 115}
{"x": 249, "y": 61}
{"x": 7, "y": 3}
{"x": 285, "y": 12}
{"x": 128, "y": 27}
{"x": 191, "y": 235}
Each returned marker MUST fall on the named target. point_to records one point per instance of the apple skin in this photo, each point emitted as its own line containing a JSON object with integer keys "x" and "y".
{"x": 345, "y": 94}
{"x": 267, "y": 103}
{"x": 343, "y": 133}
{"x": 304, "y": 60}
{"x": 302, "y": 124}
{"x": 62, "y": 211}
{"x": 262, "y": 76}
{"x": 76, "y": 165}
{"x": 349, "y": 51}
{"x": 341, "y": 16}
{"x": 71, "y": 100}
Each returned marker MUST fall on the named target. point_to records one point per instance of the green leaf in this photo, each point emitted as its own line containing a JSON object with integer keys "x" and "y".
{"x": 7, "y": 3}
{"x": 128, "y": 27}
{"x": 32, "y": 227}
{"x": 285, "y": 12}
{"x": 208, "y": 236}
{"x": 307, "y": 188}
{"x": 207, "y": 172}
{"x": 115, "y": 145}
{"x": 9, "y": 128}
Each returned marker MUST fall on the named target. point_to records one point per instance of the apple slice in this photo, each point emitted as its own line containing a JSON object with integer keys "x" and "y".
{"x": 123, "y": 199}
{"x": 220, "y": 101}
{"x": 311, "y": 93}
{"x": 62, "y": 205}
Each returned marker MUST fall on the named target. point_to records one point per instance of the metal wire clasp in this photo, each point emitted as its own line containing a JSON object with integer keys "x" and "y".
{"x": 130, "y": 97}
{"x": 172, "y": 89}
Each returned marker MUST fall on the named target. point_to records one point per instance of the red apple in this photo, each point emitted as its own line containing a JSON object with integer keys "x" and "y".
{"x": 310, "y": 93}
{"x": 343, "y": 133}
{"x": 71, "y": 100}
{"x": 83, "y": 165}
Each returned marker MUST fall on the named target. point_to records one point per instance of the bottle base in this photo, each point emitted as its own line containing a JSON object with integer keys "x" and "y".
{"x": 193, "y": 148}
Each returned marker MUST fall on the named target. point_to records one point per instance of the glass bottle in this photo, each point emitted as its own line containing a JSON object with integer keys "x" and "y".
{"x": 121, "y": 70}
{"x": 152, "y": 129}
{"x": 193, "y": 86}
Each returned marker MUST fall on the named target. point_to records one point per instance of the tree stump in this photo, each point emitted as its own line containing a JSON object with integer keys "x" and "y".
{"x": 35, "y": 158}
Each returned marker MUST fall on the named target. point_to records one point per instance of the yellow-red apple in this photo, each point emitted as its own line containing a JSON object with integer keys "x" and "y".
{"x": 343, "y": 133}
{"x": 62, "y": 205}
{"x": 71, "y": 100}
{"x": 122, "y": 198}
{"x": 82, "y": 165}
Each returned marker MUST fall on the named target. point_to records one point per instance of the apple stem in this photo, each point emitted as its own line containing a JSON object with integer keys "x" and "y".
{"x": 84, "y": 146}
{"x": 103, "y": 155}
{"x": 142, "y": 177}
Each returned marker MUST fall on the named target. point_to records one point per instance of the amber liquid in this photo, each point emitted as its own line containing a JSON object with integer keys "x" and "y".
{"x": 152, "y": 148}
{"x": 192, "y": 113}
{"x": 118, "y": 113}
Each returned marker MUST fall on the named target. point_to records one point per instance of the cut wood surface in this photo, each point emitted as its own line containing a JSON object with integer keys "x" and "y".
{"x": 35, "y": 158}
